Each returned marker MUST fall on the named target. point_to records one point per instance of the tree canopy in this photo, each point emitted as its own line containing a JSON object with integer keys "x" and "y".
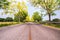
{"x": 22, "y": 12}
{"x": 7, "y": 19}
{"x": 28, "y": 18}
{"x": 4, "y": 4}
{"x": 20, "y": 17}
{"x": 48, "y": 5}
{"x": 37, "y": 17}
{"x": 56, "y": 20}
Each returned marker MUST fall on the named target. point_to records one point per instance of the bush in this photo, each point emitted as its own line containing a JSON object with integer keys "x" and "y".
{"x": 9, "y": 19}
{"x": 56, "y": 20}
{"x": 2, "y": 19}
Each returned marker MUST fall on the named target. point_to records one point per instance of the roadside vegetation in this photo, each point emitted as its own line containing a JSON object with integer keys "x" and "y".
{"x": 7, "y": 23}
{"x": 37, "y": 17}
{"x": 54, "y": 23}
{"x": 18, "y": 9}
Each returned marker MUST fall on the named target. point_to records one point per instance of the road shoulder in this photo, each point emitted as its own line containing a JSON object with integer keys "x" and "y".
{"x": 51, "y": 27}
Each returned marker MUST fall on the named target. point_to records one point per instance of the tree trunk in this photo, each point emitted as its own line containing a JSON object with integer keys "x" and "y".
{"x": 49, "y": 17}
{"x": 19, "y": 19}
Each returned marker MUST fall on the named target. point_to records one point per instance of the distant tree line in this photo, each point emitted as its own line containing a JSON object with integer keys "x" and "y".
{"x": 56, "y": 20}
{"x": 8, "y": 19}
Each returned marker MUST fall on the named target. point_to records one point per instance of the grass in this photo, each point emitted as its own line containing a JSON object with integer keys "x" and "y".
{"x": 54, "y": 25}
{"x": 7, "y": 23}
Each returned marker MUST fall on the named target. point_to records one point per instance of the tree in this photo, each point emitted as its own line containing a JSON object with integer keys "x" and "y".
{"x": 59, "y": 2}
{"x": 16, "y": 18}
{"x": 20, "y": 17}
{"x": 4, "y": 4}
{"x": 48, "y": 5}
{"x": 56, "y": 20}
{"x": 37, "y": 17}
{"x": 27, "y": 18}
{"x": 2, "y": 19}
{"x": 9, "y": 19}
{"x": 22, "y": 12}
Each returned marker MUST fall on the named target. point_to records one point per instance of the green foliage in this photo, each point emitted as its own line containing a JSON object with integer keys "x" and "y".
{"x": 9, "y": 19}
{"x": 59, "y": 2}
{"x": 2, "y": 19}
{"x": 1, "y": 25}
{"x": 20, "y": 16}
{"x": 28, "y": 18}
{"x": 37, "y": 17}
{"x": 56, "y": 20}
{"x": 57, "y": 25}
{"x": 4, "y": 4}
{"x": 22, "y": 12}
{"x": 48, "y": 5}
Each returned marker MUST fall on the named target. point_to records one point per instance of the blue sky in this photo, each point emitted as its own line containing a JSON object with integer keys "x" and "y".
{"x": 31, "y": 10}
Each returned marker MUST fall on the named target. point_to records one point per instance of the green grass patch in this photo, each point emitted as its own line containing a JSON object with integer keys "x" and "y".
{"x": 7, "y": 23}
{"x": 54, "y": 25}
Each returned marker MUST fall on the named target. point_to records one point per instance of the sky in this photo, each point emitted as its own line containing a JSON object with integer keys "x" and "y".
{"x": 31, "y": 10}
